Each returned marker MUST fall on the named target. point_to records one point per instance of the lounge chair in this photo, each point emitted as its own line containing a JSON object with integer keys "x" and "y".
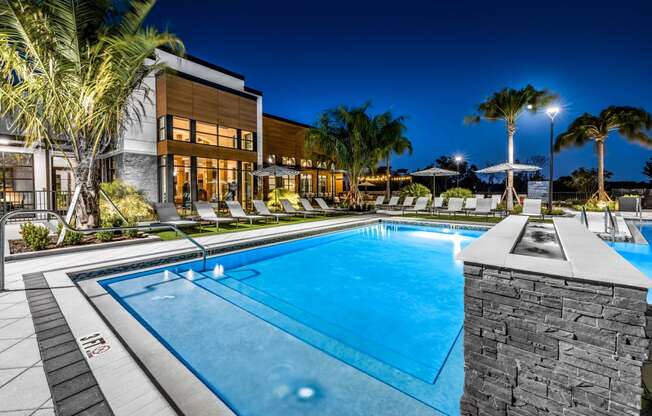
{"x": 167, "y": 213}
{"x": 470, "y": 204}
{"x": 479, "y": 196}
{"x": 323, "y": 205}
{"x": 307, "y": 206}
{"x": 437, "y": 204}
{"x": 393, "y": 203}
{"x": 532, "y": 208}
{"x": 483, "y": 207}
{"x": 454, "y": 206}
{"x": 420, "y": 206}
{"x": 206, "y": 213}
{"x": 379, "y": 201}
{"x": 397, "y": 209}
{"x": 289, "y": 209}
{"x": 407, "y": 203}
{"x": 495, "y": 201}
{"x": 262, "y": 209}
{"x": 238, "y": 213}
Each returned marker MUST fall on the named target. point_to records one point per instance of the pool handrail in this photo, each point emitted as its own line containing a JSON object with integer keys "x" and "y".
{"x": 610, "y": 223}
{"x": 68, "y": 227}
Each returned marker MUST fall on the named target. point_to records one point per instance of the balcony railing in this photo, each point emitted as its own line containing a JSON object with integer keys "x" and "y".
{"x": 57, "y": 201}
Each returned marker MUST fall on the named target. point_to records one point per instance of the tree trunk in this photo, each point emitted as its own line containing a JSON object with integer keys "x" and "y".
{"x": 87, "y": 212}
{"x": 511, "y": 129}
{"x": 389, "y": 189}
{"x": 602, "y": 195}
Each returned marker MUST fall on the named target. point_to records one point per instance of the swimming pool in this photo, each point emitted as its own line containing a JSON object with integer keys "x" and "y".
{"x": 357, "y": 322}
{"x": 640, "y": 255}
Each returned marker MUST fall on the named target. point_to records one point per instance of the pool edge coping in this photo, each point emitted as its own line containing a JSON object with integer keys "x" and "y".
{"x": 154, "y": 359}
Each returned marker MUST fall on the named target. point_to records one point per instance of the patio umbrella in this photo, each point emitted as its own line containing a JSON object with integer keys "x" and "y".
{"x": 275, "y": 171}
{"x": 365, "y": 184}
{"x": 510, "y": 192}
{"x": 434, "y": 172}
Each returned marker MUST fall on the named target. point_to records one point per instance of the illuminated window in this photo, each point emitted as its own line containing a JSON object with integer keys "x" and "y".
{"x": 305, "y": 183}
{"x": 228, "y": 137}
{"x": 161, "y": 128}
{"x": 288, "y": 161}
{"x": 228, "y": 174}
{"x": 322, "y": 185}
{"x": 247, "y": 182}
{"x": 322, "y": 165}
{"x": 207, "y": 179}
{"x": 206, "y": 133}
{"x": 181, "y": 181}
{"x": 181, "y": 129}
{"x": 271, "y": 159}
{"x": 306, "y": 163}
{"x": 289, "y": 183}
{"x": 247, "y": 140}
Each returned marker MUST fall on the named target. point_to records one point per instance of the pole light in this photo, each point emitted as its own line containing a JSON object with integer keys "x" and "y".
{"x": 458, "y": 159}
{"x": 552, "y": 113}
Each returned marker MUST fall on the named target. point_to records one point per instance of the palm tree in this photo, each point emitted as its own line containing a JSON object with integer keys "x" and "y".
{"x": 71, "y": 77}
{"x": 508, "y": 105}
{"x": 349, "y": 137}
{"x": 632, "y": 124}
{"x": 391, "y": 139}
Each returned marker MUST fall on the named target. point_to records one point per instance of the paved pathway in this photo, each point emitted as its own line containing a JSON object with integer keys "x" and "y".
{"x": 23, "y": 385}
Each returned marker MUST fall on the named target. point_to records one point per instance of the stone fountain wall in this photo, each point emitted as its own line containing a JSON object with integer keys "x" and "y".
{"x": 545, "y": 345}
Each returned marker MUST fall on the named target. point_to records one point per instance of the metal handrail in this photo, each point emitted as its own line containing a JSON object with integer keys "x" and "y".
{"x": 153, "y": 227}
{"x": 584, "y": 217}
{"x": 609, "y": 220}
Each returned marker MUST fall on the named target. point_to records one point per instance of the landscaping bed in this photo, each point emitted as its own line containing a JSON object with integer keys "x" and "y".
{"x": 19, "y": 246}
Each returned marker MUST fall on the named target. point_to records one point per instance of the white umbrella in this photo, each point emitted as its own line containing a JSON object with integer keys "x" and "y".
{"x": 274, "y": 170}
{"x": 434, "y": 172}
{"x": 510, "y": 192}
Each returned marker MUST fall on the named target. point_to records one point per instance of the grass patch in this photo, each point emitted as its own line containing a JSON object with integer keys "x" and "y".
{"x": 231, "y": 228}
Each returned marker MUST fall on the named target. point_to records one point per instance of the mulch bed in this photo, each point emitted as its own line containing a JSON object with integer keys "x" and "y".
{"x": 18, "y": 246}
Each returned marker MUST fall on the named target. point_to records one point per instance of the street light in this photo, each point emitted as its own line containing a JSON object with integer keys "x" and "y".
{"x": 458, "y": 159}
{"x": 552, "y": 113}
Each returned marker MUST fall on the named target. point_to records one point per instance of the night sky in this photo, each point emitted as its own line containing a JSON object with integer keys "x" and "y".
{"x": 433, "y": 62}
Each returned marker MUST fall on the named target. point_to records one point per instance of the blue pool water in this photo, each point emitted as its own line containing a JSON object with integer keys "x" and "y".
{"x": 640, "y": 255}
{"x": 359, "y": 322}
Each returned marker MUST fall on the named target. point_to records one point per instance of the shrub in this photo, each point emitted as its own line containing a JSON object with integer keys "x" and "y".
{"x": 457, "y": 193}
{"x": 416, "y": 190}
{"x": 72, "y": 238}
{"x": 104, "y": 236}
{"x": 131, "y": 233}
{"x": 129, "y": 201}
{"x": 274, "y": 197}
{"x": 36, "y": 237}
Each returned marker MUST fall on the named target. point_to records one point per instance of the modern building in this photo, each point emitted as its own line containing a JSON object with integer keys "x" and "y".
{"x": 202, "y": 133}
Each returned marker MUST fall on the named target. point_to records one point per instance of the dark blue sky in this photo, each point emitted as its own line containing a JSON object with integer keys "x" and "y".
{"x": 433, "y": 62}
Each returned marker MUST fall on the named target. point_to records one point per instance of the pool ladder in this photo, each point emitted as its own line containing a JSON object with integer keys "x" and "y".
{"x": 154, "y": 227}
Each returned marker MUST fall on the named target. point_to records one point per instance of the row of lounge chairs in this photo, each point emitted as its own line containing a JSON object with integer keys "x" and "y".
{"x": 467, "y": 206}
{"x": 167, "y": 212}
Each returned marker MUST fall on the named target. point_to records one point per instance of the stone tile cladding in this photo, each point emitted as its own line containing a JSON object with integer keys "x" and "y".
{"x": 544, "y": 345}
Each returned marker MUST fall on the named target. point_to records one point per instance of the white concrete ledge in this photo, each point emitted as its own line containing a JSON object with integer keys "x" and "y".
{"x": 588, "y": 258}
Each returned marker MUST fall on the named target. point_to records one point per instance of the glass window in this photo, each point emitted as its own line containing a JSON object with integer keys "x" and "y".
{"x": 271, "y": 183}
{"x": 228, "y": 180}
{"x": 17, "y": 181}
{"x": 206, "y": 133}
{"x": 161, "y": 128}
{"x": 207, "y": 180}
{"x": 247, "y": 182}
{"x": 322, "y": 185}
{"x": 181, "y": 178}
{"x": 228, "y": 137}
{"x": 306, "y": 183}
{"x": 306, "y": 163}
{"x": 289, "y": 161}
{"x": 163, "y": 178}
{"x": 181, "y": 129}
{"x": 289, "y": 183}
{"x": 322, "y": 165}
{"x": 247, "y": 140}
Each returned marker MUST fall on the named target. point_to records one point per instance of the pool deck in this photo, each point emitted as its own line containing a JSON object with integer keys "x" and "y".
{"x": 27, "y": 387}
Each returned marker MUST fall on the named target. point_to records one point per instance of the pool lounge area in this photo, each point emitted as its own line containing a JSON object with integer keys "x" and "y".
{"x": 289, "y": 318}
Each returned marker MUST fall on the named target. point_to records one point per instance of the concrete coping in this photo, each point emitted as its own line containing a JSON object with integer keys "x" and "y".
{"x": 588, "y": 258}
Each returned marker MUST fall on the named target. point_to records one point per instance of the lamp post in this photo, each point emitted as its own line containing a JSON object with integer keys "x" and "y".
{"x": 458, "y": 159}
{"x": 552, "y": 113}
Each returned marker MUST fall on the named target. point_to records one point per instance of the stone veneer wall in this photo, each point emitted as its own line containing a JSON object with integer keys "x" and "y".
{"x": 140, "y": 171}
{"x": 544, "y": 345}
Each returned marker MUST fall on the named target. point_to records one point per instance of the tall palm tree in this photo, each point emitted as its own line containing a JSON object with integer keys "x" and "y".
{"x": 391, "y": 139}
{"x": 349, "y": 137}
{"x": 71, "y": 77}
{"x": 632, "y": 124}
{"x": 508, "y": 105}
